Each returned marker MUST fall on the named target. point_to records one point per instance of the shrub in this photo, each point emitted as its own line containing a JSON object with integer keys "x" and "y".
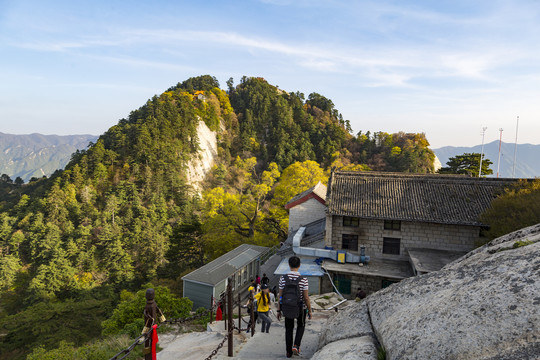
{"x": 127, "y": 318}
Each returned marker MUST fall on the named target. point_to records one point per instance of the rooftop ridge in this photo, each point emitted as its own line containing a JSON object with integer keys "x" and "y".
{"x": 459, "y": 177}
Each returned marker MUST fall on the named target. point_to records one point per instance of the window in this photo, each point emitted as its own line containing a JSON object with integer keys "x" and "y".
{"x": 343, "y": 283}
{"x": 244, "y": 274}
{"x": 350, "y": 221}
{"x": 392, "y": 225}
{"x": 391, "y": 246}
{"x": 350, "y": 242}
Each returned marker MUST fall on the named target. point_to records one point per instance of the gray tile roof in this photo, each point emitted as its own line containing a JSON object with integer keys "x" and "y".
{"x": 445, "y": 199}
{"x": 319, "y": 189}
{"x": 224, "y": 266}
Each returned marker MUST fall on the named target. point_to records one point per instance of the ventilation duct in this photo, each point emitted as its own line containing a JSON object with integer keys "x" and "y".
{"x": 337, "y": 255}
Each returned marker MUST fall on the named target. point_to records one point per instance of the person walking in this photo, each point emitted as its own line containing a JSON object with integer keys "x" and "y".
{"x": 253, "y": 289}
{"x": 265, "y": 279}
{"x": 293, "y": 301}
{"x": 263, "y": 307}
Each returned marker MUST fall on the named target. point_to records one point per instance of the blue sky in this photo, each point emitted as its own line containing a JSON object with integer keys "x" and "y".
{"x": 446, "y": 68}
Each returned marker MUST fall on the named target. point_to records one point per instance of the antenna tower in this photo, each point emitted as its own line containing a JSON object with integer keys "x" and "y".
{"x": 499, "y": 160}
{"x": 515, "y": 150}
{"x": 482, "y": 152}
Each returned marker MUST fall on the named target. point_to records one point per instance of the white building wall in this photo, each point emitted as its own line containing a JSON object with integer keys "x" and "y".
{"x": 305, "y": 213}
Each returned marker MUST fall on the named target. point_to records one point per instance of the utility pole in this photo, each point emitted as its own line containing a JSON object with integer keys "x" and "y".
{"x": 515, "y": 150}
{"x": 482, "y": 152}
{"x": 499, "y": 160}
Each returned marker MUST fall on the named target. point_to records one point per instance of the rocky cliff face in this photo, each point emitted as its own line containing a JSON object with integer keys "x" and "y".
{"x": 200, "y": 165}
{"x": 485, "y": 305}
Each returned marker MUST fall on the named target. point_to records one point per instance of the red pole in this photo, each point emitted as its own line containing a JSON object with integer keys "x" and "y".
{"x": 154, "y": 341}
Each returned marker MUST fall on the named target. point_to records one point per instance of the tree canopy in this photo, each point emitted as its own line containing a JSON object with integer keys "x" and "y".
{"x": 516, "y": 208}
{"x": 467, "y": 164}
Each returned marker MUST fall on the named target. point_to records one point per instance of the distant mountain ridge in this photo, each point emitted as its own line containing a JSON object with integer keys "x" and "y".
{"x": 36, "y": 155}
{"x": 527, "y": 159}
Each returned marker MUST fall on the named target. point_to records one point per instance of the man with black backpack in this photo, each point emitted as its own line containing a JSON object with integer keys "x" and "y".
{"x": 293, "y": 299}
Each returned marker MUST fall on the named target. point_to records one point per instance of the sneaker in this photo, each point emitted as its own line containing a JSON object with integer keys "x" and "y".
{"x": 289, "y": 355}
{"x": 296, "y": 350}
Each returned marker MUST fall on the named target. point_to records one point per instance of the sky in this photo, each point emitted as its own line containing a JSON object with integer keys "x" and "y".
{"x": 445, "y": 68}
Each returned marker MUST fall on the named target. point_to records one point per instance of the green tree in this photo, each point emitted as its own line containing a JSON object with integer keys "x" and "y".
{"x": 516, "y": 208}
{"x": 296, "y": 178}
{"x": 129, "y": 310}
{"x": 9, "y": 266}
{"x": 468, "y": 163}
{"x": 240, "y": 211}
{"x": 47, "y": 323}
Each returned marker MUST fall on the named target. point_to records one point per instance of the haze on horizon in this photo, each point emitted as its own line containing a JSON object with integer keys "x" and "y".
{"x": 443, "y": 68}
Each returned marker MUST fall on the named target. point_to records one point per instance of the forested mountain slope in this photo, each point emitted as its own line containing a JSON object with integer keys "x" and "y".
{"x": 122, "y": 212}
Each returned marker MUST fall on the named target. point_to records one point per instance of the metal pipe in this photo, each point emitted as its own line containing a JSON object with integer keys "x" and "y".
{"x": 331, "y": 282}
{"x": 339, "y": 303}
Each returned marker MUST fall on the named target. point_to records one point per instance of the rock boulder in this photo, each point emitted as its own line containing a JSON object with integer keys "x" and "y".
{"x": 485, "y": 305}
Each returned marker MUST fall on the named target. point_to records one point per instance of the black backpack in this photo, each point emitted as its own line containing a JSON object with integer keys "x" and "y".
{"x": 290, "y": 298}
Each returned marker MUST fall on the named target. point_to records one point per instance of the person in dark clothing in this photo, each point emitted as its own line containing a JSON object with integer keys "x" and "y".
{"x": 293, "y": 277}
{"x": 360, "y": 294}
{"x": 265, "y": 279}
{"x": 274, "y": 291}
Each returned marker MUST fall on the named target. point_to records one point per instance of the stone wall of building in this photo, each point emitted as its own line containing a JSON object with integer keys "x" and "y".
{"x": 412, "y": 235}
{"x": 305, "y": 213}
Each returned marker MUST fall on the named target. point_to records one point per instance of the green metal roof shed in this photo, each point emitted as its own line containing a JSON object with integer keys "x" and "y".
{"x": 209, "y": 280}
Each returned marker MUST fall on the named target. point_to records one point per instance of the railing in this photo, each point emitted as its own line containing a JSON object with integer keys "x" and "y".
{"x": 268, "y": 254}
{"x": 150, "y": 337}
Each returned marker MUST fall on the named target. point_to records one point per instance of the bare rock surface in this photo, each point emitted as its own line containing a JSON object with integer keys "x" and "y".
{"x": 200, "y": 165}
{"x": 358, "y": 348}
{"x": 485, "y": 305}
{"x": 353, "y": 321}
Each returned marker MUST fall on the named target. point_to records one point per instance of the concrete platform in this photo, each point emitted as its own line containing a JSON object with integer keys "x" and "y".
{"x": 393, "y": 269}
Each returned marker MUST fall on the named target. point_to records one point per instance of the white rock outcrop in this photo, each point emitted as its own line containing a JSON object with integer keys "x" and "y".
{"x": 485, "y": 305}
{"x": 202, "y": 163}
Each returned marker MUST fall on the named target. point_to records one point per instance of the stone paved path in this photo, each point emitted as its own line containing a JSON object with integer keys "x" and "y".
{"x": 272, "y": 345}
{"x": 199, "y": 345}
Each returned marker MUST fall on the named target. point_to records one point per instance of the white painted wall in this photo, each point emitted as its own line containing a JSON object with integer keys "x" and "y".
{"x": 305, "y": 213}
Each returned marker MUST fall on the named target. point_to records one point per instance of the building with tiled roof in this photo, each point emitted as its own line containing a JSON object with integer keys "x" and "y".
{"x": 306, "y": 207}
{"x": 408, "y": 224}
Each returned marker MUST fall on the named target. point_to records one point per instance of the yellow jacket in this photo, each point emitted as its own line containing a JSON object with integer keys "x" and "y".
{"x": 260, "y": 306}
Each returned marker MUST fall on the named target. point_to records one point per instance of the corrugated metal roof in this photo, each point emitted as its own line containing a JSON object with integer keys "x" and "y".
{"x": 224, "y": 266}
{"x": 412, "y": 197}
